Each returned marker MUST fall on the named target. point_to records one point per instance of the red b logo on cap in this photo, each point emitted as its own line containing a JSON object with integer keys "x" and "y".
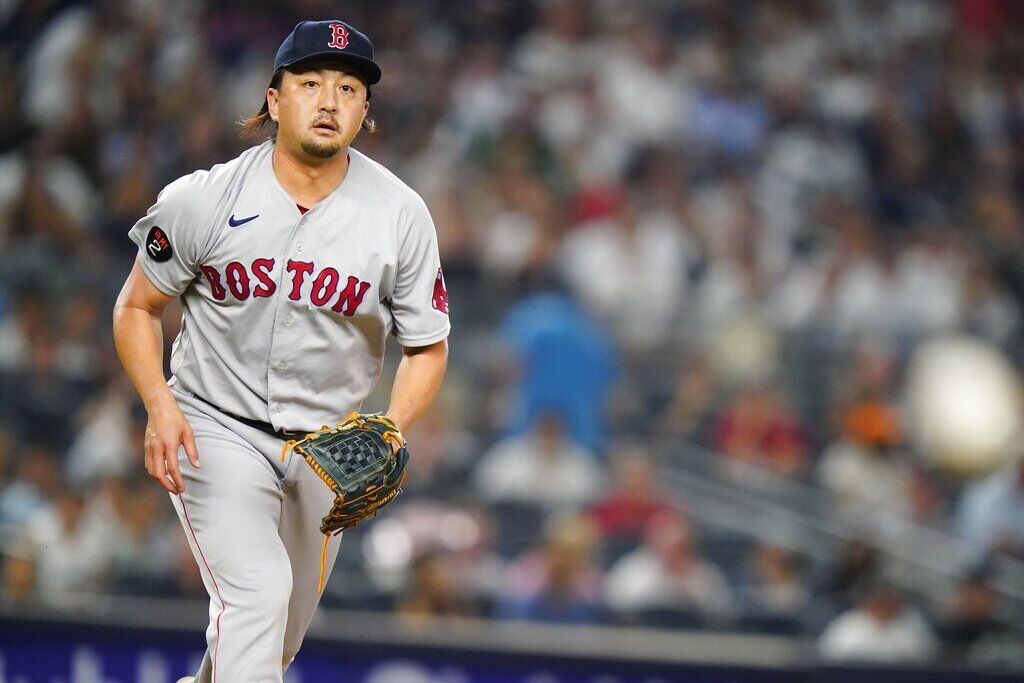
{"x": 339, "y": 36}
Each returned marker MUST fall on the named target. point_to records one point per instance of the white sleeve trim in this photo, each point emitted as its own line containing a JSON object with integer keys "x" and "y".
{"x": 151, "y": 276}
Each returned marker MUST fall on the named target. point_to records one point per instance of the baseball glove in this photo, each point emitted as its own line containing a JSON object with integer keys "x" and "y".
{"x": 363, "y": 460}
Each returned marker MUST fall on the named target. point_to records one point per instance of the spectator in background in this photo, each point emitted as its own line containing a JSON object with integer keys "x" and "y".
{"x": 111, "y": 437}
{"x": 929, "y": 288}
{"x": 57, "y": 204}
{"x": 881, "y": 628}
{"x": 634, "y": 499}
{"x": 79, "y": 345}
{"x": 631, "y": 269}
{"x": 433, "y": 593}
{"x": 690, "y": 414}
{"x": 558, "y": 48}
{"x": 476, "y": 567}
{"x": 927, "y": 498}
{"x": 757, "y": 428}
{"x": 991, "y": 511}
{"x": 732, "y": 285}
{"x": 854, "y": 570}
{"x": 969, "y": 620}
{"x": 18, "y": 574}
{"x": 71, "y": 557}
{"x": 543, "y": 467}
{"x": 47, "y": 399}
{"x": 860, "y": 287}
{"x": 37, "y": 481}
{"x": 24, "y": 320}
{"x": 523, "y": 233}
{"x": 458, "y": 540}
{"x": 142, "y": 560}
{"x": 998, "y": 212}
{"x": 989, "y": 311}
{"x": 565, "y": 364}
{"x": 864, "y": 469}
{"x": 559, "y": 582}
{"x": 641, "y": 65}
{"x": 444, "y": 452}
{"x": 668, "y": 572}
{"x": 727, "y": 117}
{"x": 774, "y": 585}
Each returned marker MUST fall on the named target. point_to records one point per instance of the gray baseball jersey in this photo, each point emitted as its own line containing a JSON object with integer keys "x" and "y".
{"x": 286, "y": 313}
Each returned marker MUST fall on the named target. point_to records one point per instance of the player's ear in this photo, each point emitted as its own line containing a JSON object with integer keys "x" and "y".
{"x": 272, "y": 103}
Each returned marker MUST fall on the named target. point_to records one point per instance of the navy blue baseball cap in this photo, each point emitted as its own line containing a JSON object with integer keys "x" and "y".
{"x": 331, "y": 39}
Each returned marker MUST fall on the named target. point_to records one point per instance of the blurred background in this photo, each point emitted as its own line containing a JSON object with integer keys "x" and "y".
{"x": 694, "y": 249}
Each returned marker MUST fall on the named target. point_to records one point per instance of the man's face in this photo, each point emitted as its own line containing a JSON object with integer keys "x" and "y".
{"x": 318, "y": 110}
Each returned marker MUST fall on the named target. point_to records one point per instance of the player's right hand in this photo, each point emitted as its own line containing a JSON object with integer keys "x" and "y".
{"x": 166, "y": 430}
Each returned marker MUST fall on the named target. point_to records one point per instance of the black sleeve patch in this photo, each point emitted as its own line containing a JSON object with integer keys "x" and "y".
{"x": 157, "y": 245}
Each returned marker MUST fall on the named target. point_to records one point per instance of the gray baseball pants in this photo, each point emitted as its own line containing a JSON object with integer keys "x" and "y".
{"x": 253, "y": 523}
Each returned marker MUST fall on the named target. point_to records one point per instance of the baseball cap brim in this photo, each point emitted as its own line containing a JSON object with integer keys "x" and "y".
{"x": 366, "y": 67}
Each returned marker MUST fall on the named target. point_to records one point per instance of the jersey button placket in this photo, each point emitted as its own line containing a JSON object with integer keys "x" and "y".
{"x": 287, "y": 320}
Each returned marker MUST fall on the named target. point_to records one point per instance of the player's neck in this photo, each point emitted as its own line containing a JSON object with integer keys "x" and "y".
{"x": 307, "y": 181}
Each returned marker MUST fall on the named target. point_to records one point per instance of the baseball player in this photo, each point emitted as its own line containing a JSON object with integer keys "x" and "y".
{"x": 293, "y": 263}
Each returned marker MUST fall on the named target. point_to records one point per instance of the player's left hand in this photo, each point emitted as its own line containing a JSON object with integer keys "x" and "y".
{"x": 362, "y": 459}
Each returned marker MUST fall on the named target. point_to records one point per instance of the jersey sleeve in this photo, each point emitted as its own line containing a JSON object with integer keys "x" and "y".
{"x": 169, "y": 236}
{"x": 419, "y": 302}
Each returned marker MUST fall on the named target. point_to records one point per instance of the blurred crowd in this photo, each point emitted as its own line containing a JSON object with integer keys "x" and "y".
{"x": 723, "y": 224}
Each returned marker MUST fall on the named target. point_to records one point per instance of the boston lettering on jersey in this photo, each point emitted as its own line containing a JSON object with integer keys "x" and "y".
{"x": 255, "y": 281}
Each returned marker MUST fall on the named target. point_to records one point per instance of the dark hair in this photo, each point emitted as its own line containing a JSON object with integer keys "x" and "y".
{"x": 252, "y": 125}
